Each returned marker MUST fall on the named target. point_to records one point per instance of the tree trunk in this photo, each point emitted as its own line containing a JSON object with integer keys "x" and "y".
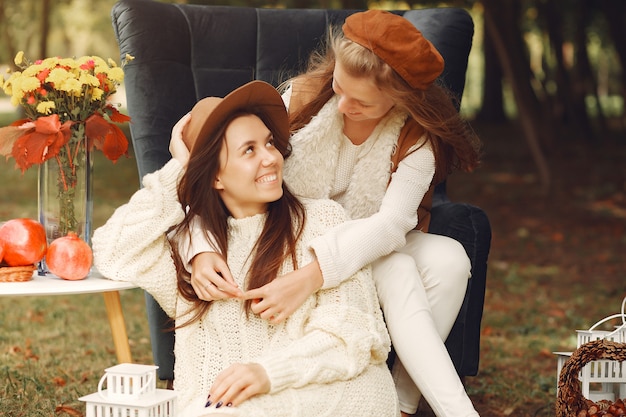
{"x": 570, "y": 90}
{"x": 502, "y": 25}
{"x": 583, "y": 74}
{"x": 45, "y": 28}
{"x": 492, "y": 109}
{"x": 614, "y": 12}
{"x": 8, "y": 41}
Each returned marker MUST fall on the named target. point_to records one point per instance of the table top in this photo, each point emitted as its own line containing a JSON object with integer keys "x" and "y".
{"x": 50, "y": 284}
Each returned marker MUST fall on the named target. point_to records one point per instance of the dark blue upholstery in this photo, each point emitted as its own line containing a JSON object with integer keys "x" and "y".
{"x": 186, "y": 52}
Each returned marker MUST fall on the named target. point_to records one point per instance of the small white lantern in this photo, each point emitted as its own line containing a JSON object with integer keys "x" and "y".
{"x": 129, "y": 381}
{"x": 131, "y": 392}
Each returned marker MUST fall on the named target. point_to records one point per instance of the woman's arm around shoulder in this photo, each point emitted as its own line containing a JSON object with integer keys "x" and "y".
{"x": 353, "y": 244}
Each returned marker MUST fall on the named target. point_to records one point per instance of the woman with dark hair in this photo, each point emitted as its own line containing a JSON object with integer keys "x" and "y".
{"x": 328, "y": 357}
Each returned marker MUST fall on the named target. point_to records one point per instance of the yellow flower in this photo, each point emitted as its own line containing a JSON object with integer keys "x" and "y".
{"x": 19, "y": 58}
{"x": 26, "y": 84}
{"x": 71, "y": 85}
{"x": 88, "y": 79}
{"x": 57, "y": 76}
{"x": 45, "y": 107}
{"x": 33, "y": 70}
{"x": 116, "y": 74}
{"x": 51, "y": 63}
{"x": 65, "y": 62}
{"x": 98, "y": 61}
{"x": 97, "y": 94}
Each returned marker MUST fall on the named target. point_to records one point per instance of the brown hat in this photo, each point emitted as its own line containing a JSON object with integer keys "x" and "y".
{"x": 397, "y": 42}
{"x": 209, "y": 113}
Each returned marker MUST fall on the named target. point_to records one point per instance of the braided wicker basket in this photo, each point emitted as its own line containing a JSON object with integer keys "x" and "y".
{"x": 570, "y": 402}
{"x": 16, "y": 273}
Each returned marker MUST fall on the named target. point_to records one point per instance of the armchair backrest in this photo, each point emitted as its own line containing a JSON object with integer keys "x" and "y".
{"x": 187, "y": 52}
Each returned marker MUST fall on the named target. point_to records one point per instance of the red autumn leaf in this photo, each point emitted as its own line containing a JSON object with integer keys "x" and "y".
{"x": 8, "y": 137}
{"x": 14, "y": 350}
{"x": 116, "y": 116}
{"x": 96, "y": 128}
{"x": 41, "y": 144}
{"x": 68, "y": 410}
{"x": 48, "y": 124}
{"x": 115, "y": 143}
{"x": 21, "y": 122}
{"x": 106, "y": 137}
{"x": 58, "y": 381}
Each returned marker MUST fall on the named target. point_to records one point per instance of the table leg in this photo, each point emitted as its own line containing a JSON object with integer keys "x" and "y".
{"x": 118, "y": 326}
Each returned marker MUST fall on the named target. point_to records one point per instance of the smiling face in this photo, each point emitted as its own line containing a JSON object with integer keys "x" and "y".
{"x": 360, "y": 99}
{"x": 250, "y": 174}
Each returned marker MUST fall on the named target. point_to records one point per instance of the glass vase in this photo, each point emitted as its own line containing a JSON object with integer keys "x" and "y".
{"x": 65, "y": 202}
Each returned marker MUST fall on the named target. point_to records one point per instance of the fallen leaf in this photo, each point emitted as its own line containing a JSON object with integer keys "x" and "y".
{"x": 67, "y": 410}
{"x": 58, "y": 381}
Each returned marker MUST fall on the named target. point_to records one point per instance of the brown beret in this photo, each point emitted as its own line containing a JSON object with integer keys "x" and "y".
{"x": 397, "y": 42}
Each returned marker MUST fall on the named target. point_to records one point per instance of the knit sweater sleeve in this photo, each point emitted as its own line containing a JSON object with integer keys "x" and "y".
{"x": 348, "y": 247}
{"x": 132, "y": 245}
{"x": 343, "y": 334}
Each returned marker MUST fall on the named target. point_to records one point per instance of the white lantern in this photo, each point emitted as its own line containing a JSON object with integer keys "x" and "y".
{"x": 131, "y": 392}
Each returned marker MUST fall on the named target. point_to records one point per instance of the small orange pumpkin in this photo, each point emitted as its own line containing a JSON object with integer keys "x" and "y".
{"x": 69, "y": 257}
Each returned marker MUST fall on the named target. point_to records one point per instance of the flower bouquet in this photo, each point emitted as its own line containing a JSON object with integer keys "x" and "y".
{"x": 68, "y": 114}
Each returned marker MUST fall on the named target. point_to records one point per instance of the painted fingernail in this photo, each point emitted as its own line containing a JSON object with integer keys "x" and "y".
{"x": 229, "y": 405}
{"x": 208, "y": 396}
{"x": 219, "y": 404}
{"x": 208, "y": 404}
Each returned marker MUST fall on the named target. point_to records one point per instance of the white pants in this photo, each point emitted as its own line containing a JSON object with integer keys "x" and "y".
{"x": 420, "y": 290}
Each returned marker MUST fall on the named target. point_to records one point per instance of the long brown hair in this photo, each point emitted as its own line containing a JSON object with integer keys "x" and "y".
{"x": 454, "y": 143}
{"x": 206, "y": 209}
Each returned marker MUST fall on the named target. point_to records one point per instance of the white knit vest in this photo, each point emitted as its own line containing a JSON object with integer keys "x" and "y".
{"x": 310, "y": 170}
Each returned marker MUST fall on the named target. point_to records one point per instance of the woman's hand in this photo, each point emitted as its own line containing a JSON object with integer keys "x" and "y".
{"x": 178, "y": 147}
{"x": 211, "y": 278}
{"x": 237, "y": 383}
{"x": 278, "y": 300}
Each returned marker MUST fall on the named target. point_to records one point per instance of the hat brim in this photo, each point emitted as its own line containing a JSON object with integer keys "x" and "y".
{"x": 209, "y": 113}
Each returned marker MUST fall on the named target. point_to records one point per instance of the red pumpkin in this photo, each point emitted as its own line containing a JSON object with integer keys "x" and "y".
{"x": 1, "y": 251}
{"x": 69, "y": 257}
{"x": 24, "y": 242}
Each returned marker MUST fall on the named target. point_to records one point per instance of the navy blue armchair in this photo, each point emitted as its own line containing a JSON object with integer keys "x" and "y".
{"x": 187, "y": 52}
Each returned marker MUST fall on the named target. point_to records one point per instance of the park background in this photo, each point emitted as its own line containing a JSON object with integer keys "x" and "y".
{"x": 545, "y": 92}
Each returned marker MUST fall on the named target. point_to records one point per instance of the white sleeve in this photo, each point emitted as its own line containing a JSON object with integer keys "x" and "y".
{"x": 132, "y": 245}
{"x": 287, "y": 96}
{"x": 196, "y": 244}
{"x": 350, "y": 246}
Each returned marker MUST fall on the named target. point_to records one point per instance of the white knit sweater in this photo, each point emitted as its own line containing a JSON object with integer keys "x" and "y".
{"x": 328, "y": 358}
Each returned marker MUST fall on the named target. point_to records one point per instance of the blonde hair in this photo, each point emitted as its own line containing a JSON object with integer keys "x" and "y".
{"x": 454, "y": 143}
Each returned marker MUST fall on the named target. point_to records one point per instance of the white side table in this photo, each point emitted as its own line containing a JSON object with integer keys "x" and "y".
{"x": 94, "y": 283}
